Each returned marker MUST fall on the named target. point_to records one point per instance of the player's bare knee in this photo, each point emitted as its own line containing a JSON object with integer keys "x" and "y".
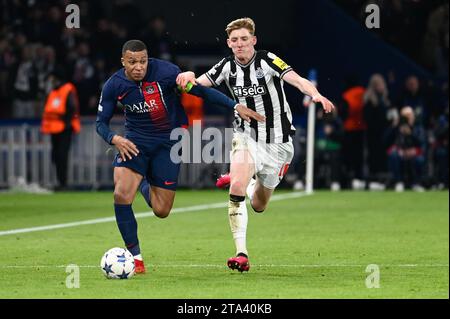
{"x": 237, "y": 188}
{"x": 121, "y": 197}
{"x": 161, "y": 211}
{"x": 258, "y": 208}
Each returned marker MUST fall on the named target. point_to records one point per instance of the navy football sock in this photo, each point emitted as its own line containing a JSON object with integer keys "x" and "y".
{"x": 145, "y": 191}
{"x": 128, "y": 227}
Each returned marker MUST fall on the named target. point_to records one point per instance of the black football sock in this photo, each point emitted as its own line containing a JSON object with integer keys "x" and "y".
{"x": 128, "y": 227}
{"x": 145, "y": 191}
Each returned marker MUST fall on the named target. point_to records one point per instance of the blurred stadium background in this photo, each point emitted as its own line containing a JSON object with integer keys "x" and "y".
{"x": 353, "y": 147}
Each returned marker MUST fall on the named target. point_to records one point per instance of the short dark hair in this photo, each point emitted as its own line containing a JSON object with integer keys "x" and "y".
{"x": 134, "y": 46}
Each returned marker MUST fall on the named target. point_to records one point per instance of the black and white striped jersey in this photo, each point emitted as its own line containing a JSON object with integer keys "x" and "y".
{"x": 259, "y": 85}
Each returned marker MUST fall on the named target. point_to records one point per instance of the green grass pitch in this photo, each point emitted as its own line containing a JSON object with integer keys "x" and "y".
{"x": 307, "y": 247}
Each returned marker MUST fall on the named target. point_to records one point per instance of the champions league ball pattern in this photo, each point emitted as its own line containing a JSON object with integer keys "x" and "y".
{"x": 117, "y": 263}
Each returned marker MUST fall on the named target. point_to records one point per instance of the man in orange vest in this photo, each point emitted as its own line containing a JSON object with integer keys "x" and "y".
{"x": 60, "y": 119}
{"x": 354, "y": 131}
{"x": 193, "y": 106}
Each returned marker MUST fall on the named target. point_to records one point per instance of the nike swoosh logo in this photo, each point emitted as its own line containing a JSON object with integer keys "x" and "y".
{"x": 120, "y": 97}
{"x": 169, "y": 183}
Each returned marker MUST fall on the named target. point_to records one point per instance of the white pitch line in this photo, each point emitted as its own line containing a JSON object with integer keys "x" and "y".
{"x": 253, "y": 265}
{"x": 138, "y": 215}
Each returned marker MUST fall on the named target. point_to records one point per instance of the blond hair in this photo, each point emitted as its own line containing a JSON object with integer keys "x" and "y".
{"x": 371, "y": 95}
{"x": 246, "y": 23}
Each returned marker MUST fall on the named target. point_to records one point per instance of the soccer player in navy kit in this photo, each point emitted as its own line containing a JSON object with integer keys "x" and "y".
{"x": 146, "y": 87}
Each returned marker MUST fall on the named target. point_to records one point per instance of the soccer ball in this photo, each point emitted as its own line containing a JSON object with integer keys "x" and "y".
{"x": 117, "y": 263}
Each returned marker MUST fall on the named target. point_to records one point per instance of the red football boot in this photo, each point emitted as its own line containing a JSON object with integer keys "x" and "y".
{"x": 223, "y": 181}
{"x": 239, "y": 262}
{"x": 139, "y": 266}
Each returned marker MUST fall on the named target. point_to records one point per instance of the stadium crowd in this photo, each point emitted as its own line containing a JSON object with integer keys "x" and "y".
{"x": 380, "y": 138}
{"x": 390, "y": 132}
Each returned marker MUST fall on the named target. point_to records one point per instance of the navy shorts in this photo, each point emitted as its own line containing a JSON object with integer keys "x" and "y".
{"x": 154, "y": 163}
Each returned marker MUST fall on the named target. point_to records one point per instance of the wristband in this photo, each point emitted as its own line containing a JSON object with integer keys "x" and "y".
{"x": 188, "y": 87}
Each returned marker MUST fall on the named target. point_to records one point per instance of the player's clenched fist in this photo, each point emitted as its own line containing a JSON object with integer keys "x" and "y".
{"x": 125, "y": 147}
{"x": 184, "y": 78}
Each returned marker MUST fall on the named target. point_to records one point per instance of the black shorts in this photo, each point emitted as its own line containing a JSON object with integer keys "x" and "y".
{"x": 154, "y": 163}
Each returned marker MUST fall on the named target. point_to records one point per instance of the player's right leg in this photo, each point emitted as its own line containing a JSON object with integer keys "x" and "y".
{"x": 126, "y": 182}
{"x": 242, "y": 169}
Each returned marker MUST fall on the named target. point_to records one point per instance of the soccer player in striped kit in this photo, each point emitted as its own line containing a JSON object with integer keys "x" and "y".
{"x": 146, "y": 88}
{"x": 261, "y": 149}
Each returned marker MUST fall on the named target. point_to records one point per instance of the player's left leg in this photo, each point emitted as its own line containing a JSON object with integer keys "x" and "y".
{"x": 161, "y": 181}
{"x": 144, "y": 188}
{"x": 157, "y": 198}
{"x": 162, "y": 201}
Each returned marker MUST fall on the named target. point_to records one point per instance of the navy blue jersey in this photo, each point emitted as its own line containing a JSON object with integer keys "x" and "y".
{"x": 152, "y": 107}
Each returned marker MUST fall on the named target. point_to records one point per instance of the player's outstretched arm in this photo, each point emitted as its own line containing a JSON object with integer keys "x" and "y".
{"x": 308, "y": 88}
{"x": 215, "y": 97}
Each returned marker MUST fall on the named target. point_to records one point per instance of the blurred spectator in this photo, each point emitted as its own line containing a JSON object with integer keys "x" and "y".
{"x": 440, "y": 151}
{"x": 25, "y": 86}
{"x": 45, "y": 64}
{"x": 416, "y": 96}
{"x": 406, "y": 157}
{"x": 329, "y": 137}
{"x": 351, "y": 110}
{"x": 376, "y": 106}
{"x": 413, "y": 96}
{"x": 85, "y": 80}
